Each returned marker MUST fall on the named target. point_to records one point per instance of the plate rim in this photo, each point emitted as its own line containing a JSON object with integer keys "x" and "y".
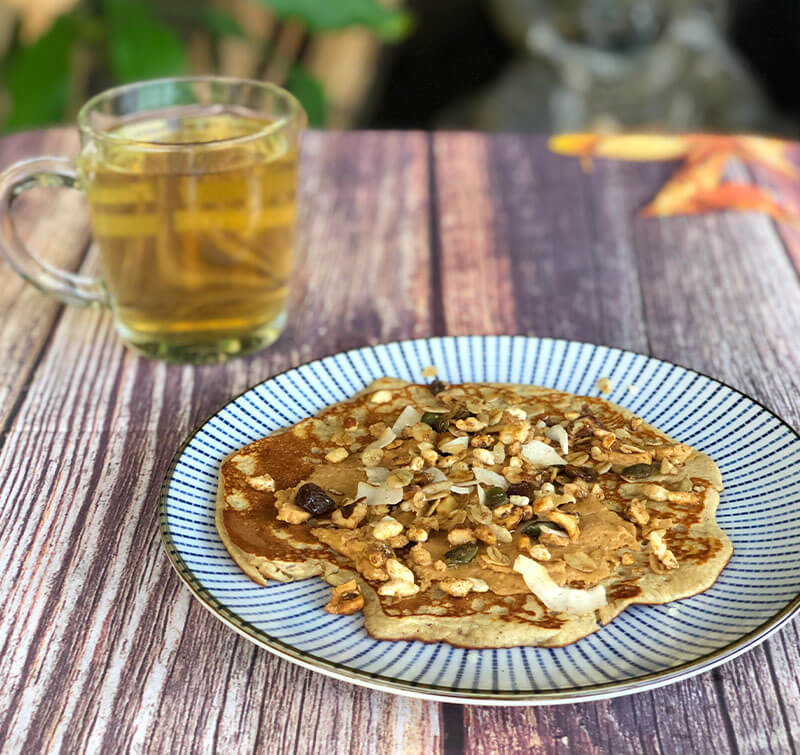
{"x": 439, "y": 693}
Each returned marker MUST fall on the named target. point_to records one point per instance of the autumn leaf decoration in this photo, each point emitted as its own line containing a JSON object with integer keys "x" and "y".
{"x": 697, "y": 186}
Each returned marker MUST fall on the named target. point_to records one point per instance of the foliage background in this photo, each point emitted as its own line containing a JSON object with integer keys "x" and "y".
{"x": 95, "y": 44}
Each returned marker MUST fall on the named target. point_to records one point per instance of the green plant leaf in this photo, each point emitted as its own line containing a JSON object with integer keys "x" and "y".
{"x": 37, "y": 77}
{"x": 324, "y": 15}
{"x": 140, "y": 45}
{"x": 310, "y": 93}
{"x": 222, "y": 24}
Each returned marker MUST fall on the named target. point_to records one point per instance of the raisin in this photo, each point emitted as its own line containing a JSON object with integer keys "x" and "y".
{"x": 314, "y": 500}
{"x": 584, "y": 473}
{"x": 347, "y": 510}
{"x": 437, "y": 386}
{"x": 524, "y": 488}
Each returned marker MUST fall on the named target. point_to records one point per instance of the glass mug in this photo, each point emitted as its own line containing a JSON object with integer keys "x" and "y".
{"x": 191, "y": 184}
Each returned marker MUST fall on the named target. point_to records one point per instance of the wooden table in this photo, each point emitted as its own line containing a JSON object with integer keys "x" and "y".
{"x": 401, "y": 235}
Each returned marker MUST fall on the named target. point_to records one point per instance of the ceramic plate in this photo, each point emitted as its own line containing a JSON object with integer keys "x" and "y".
{"x": 645, "y": 647}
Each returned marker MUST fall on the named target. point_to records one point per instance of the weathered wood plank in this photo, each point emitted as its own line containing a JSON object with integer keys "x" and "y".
{"x": 103, "y": 648}
{"x": 27, "y": 316}
{"x": 581, "y": 266}
{"x": 729, "y": 273}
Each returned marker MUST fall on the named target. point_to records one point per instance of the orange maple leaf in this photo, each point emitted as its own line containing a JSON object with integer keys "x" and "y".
{"x": 697, "y": 186}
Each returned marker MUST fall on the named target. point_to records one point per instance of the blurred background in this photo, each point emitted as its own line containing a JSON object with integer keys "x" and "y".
{"x": 523, "y": 65}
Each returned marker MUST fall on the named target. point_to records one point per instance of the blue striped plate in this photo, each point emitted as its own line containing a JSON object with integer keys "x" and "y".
{"x": 645, "y": 647}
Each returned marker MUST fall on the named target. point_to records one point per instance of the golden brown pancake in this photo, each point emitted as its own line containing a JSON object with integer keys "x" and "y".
{"x": 483, "y": 515}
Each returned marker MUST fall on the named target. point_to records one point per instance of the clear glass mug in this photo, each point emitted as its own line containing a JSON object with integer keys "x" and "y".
{"x": 191, "y": 184}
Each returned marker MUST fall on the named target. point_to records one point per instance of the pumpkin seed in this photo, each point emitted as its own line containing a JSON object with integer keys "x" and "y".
{"x": 438, "y": 422}
{"x": 638, "y": 471}
{"x": 494, "y": 497}
{"x": 461, "y": 554}
{"x": 534, "y": 529}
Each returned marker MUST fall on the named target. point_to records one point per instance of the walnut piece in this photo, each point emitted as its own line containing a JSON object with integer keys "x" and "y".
{"x": 345, "y": 599}
{"x": 637, "y": 513}
{"x": 456, "y": 587}
{"x": 660, "y": 550}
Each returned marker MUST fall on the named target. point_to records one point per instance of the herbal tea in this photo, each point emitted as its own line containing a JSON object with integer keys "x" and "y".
{"x": 195, "y": 225}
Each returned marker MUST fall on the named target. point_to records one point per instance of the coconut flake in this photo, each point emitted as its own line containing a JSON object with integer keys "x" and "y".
{"x": 386, "y": 438}
{"x": 455, "y": 445}
{"x": 377, "y": 475}
{"x": 487, "y": 477}
{"x": 540, "y": 453}
{"x": 409, "y": 416}
{"x": 435, "y": 474}
{"x": 559, "y": 435}
{"x": 560, "y": 599}
{"x": 459, "y": 490}
{"x": 377, "y": 495}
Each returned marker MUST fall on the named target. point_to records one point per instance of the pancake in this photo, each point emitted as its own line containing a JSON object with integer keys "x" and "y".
{"x": 482, "y": 515}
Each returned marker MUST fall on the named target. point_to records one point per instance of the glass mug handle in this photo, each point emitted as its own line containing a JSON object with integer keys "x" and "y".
{"x": 63, "y": 285}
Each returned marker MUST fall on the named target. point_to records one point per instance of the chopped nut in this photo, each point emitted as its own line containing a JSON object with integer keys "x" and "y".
{"x": 429, "y": 371}
{"x": 539, "y": 552}
{"x": 677, "y": 453}
{"x": 398, "y": 541}
{"x": 568, "y": 521}
{"x": 291, "y": 513}
{"x": 386, "y": 528}
{"x": 264, "y": 483}
{"x": 519, "y": 500}
{"x": 350, "y": 522}
{"x": 470, "y": 424}
{"x": 417, "y": 534}
{"x": 667, "y": 467}
{"x": 513, "y": 474}
{"x": 660, "y": 550}
{"x": 345, "y": 599}
{"x": 479, "y": 585}
{"x": 337, "y": 455}
{"x": 440, "y": 565}
{"x": 397, "y": 570}
{"x": 544, "y": 504}
{"x": 524, "y": 543}
{"x": 483, "y": 456}
{"x": 381, "y": 397}
{"x": 627, "y": 558}
{"x": 485, "y": 534}
{"x": 371, "y": 457}
{"x": 660, "y": 493}
{"x": 416, "y": 463}
{"x": 637, "y": 513}
{"x": 482, "y": 441}
{"x": 420, "y": 555}
{"x": 398, "y": 588}
{"x": 517, "y": 413}
{"x": 604, "y": 385}
{"x": 636, "y": 423}
{"x": 429, "y": 456}
{"x": 460, "y": 535}
{"x": 458, "y": 588}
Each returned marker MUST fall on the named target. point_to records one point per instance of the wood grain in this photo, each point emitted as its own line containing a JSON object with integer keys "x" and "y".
{"x": 567, "y": 248}
{"x": 103, "y": 649}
